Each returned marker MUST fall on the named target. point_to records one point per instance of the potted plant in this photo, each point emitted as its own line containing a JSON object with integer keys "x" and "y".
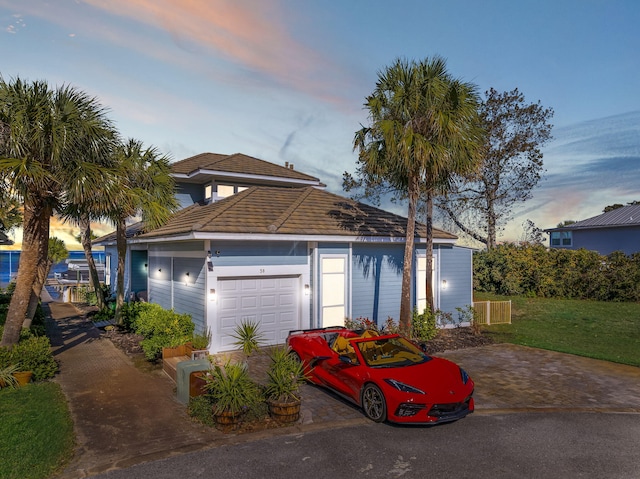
{"x": 285, "y": 375}
{"x": 200, "y": 344}
{"x": 7, "y": 377}
{"x": 232, "y": 392}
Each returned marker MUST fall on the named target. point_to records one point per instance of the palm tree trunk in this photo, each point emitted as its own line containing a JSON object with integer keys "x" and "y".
{"x": 94, "y": 279}
{"x": 41, "y": 276}
{"x": 429, "y": 253}
{"x": 407, "y": 267}
{"x": 35, "y": 245}
{"x": 121, "y": 241}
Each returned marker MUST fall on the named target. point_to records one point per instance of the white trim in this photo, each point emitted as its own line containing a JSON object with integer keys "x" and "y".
{"x": 277, "y": 237}
{"x": 243, "y": 176}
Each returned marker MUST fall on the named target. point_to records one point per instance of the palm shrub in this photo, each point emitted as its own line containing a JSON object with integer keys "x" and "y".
{"x": 161, "y": 328}
{"x": 7, "y": 379}
{"x": 248, "y": 336}
{"x": 232, "y": 389}
{"x": 285, "y": 375}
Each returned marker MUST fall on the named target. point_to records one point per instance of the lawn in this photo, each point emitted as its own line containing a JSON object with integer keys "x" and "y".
{"x": 36, "y": 431}
{"x": 595, "y": 329}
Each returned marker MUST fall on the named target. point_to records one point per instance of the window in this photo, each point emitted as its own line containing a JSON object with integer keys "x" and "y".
{"x": 225, "y": 190}
{"x": 561, "y": 238}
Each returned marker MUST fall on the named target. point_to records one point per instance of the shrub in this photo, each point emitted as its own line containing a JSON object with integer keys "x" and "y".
{"x": 423, "y": 326}
{"x": 161, "y": 328}
{"x": 31, "y": 353}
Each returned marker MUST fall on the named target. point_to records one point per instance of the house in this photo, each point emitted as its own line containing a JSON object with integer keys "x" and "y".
{"x": 265, "y": 242}
{"x": 616, "y": 230}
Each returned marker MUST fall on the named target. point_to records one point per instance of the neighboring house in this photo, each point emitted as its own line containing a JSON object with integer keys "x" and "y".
{"x": 264, "y": 242}
{"x": 616, "y": 230}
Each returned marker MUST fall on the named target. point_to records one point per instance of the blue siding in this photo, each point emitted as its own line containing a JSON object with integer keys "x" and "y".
{"x": 376, "y": 281}
{"x": 189, "y": 291}
{"x": 264, "y": 253}
{"x": 607, "y": 240}
{"x": 456, "y": 270}
{"x": 160, "y": 281}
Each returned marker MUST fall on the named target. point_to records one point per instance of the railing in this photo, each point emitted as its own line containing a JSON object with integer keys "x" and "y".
{"x": 71, "y": 293}
{"x": 492, "y": 312}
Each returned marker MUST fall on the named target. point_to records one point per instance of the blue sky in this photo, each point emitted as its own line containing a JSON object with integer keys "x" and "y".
{"x": 285, "y": 80}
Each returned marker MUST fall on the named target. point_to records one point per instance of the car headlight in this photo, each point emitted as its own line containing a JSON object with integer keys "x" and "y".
{"x": 464, "y": 376}
{"x": 405, "y": 388}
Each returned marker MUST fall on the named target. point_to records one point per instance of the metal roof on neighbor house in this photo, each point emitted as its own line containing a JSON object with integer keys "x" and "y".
{"x": 625, "y": 216}
{"x": 209, "y": 164}
{"x": 305, "y": 212}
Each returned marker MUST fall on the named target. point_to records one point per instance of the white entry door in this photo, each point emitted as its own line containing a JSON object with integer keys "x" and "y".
{"x": 272, "y": 302}
{"x": 333, "y": 290}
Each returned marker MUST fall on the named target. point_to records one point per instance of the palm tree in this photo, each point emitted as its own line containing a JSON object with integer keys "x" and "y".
{"x": 54, "y": 137}
{"x": 424, "y": 127}
{"x": 145, "y": 188}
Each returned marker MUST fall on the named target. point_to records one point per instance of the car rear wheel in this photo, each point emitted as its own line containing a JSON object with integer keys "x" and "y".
{"x": 373, "y": 403}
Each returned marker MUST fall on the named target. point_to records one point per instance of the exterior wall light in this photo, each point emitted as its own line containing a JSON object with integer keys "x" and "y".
{"x": 212, "y": 295}
{"x": 306, "y": 290}
{"x": 444, "y": 284}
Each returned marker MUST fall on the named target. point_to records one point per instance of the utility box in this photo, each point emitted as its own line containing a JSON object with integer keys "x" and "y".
{"x": 184, "y": 370}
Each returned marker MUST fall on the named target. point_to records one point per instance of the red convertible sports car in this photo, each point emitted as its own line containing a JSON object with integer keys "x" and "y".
{"x": 388, "y": 376}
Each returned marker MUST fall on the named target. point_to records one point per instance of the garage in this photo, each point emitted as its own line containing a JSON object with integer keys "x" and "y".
{"x": 271, "y": 301}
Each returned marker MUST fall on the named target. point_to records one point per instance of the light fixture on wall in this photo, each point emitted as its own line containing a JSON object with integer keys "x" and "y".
{"x": 146, "y": 265}
{"x": 212, "y": 295}
{"x": 159, "y": 270}
{"x": 444, "y": 284}
{"x": 306, "y": 290}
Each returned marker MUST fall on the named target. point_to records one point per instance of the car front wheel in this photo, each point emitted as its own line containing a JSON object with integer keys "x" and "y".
{"x": 373, "y": 403}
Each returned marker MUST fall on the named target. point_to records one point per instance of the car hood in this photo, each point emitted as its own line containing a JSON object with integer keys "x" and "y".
{"x": 439, "y": 378}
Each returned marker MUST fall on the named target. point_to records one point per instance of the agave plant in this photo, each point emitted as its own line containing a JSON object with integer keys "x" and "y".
{"x": 248, "y": 336}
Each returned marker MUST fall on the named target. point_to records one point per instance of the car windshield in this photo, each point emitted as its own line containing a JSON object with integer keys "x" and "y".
{"x": 391, "y": 352}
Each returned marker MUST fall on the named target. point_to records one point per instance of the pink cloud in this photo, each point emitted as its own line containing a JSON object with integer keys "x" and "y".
{"x": 252, "y": 35}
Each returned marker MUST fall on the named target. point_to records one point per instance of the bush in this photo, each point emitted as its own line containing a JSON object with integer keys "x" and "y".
{"x": 423, "y": 326}
{"x": 32, "y": 353}
{"x": 161, "y": 328}
{"x": 535, "y": 271}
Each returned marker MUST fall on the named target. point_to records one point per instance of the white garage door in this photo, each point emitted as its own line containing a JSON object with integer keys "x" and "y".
{"x": 271, "y": 301}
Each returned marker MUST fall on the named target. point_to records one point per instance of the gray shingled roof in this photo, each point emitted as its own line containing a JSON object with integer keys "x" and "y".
{"x": 237, "y": 163}
{"x": 288, "y": 211}
{"x": 625, "y": 216}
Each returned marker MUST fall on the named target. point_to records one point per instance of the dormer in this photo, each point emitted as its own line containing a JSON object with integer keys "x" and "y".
{"x": 210, "y": 177}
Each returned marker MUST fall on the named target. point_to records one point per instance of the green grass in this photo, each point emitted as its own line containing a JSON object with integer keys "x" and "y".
{"x": 595, "y": 329}
{"x": 36, "y": 431}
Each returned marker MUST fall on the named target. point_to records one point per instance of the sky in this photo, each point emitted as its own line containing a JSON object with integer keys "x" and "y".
{"x": 286, "y": 80}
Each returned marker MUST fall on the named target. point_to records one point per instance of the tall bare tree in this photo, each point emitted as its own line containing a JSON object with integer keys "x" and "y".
{"x": 481, "y": 204}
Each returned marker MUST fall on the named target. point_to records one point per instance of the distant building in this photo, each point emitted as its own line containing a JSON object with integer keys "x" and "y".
{"x": 616, "y": 230}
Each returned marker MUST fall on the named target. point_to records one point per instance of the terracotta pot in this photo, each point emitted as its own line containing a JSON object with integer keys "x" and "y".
{"x": 23, "y": 377}
{"x": 284, "y": 412}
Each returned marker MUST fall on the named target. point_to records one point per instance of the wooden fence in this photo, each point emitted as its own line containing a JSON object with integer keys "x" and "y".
{"x": 492, "y": 312}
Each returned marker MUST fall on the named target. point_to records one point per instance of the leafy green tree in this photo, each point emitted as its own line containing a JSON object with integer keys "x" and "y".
{"x": 481, "y": 204}
{"x": 423, "y": 128}
{"x": 618, "y": 205}
{"x": 145, "y": 188}
{"x": 56, "y": 143}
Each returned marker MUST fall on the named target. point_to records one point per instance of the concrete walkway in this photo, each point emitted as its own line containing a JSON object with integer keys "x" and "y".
{"x": 124, "y": 416}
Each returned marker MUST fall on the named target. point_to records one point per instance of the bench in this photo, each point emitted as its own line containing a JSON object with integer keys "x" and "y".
{"x": 172, "y": 356}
